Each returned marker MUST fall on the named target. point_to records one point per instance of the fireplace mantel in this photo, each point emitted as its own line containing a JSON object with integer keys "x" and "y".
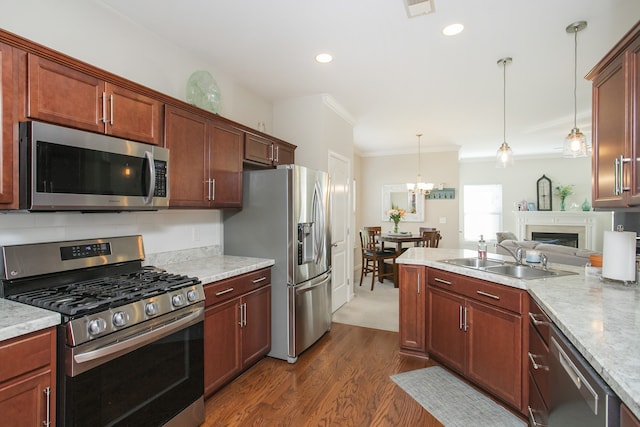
{"x": 590, "y": 226}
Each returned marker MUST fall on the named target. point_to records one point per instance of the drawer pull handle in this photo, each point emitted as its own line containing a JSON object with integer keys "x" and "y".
{"x": 484, "y": 294}
{"x": 262, "y": 279}
{"x": 536, "y": 366}
{"x": 226, "y": 291}
{"x": 532, "y": 419}
{"x": 535, "y": 319}
{"x": 446, "y": 282}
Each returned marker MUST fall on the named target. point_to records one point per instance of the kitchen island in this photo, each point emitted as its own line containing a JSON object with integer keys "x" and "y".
{"x": 600, "y": 318}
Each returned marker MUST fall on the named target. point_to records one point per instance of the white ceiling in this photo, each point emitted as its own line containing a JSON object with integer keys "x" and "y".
{"x": 398, "y": 76}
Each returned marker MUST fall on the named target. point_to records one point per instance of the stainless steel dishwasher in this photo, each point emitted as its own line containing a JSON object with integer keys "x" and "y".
{"x": 577, "y": 395}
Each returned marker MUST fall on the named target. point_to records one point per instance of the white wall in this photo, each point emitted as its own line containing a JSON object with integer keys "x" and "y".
{"x": 93, "y": 33}
{"x": 440, "y": 167}
{"x": 519, "y": 182}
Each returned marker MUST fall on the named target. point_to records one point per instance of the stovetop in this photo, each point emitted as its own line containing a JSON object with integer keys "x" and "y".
{"x": 98, "y": 285}
{"x": 92, "y": 296}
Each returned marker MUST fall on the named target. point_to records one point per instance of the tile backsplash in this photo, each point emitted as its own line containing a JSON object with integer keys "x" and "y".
{"x": 162, "y": 231}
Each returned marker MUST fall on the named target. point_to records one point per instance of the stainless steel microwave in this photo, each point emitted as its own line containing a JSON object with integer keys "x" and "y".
{"x": 63, "y": 169}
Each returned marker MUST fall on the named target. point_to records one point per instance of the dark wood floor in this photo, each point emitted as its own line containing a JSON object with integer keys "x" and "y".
{"x": 343, "y": 380}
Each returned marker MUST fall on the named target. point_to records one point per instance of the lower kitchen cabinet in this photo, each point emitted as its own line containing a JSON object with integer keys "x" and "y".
{"x": 413, "y": 296}
{"x": 27, "y": 380}
{"x": 476, "y": 328}
{"x": 627, "y": 419}
{"x": 237, "y": 326}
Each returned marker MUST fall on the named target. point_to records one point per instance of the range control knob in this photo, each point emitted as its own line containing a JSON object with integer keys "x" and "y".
{"x": 120, "y": 318}
{"x": 97, "y": 326}
{"x": 151, "y": 309}
{"x": 192, "y": 295}
{"x": 177, "y": 300}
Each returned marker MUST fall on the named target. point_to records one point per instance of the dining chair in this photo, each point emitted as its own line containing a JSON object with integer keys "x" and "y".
{"x": 373, "y": 260}
{"x": 431, "y": 239}
{"x": 374, "y": 233}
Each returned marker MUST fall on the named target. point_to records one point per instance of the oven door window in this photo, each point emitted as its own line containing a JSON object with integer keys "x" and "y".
{"x": 146, "y": 387}
{"x": 74, "y": 170}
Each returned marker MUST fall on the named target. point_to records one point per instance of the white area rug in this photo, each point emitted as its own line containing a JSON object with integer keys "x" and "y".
{"x": 377, "y": 309}
{"x": 452, "y": 402}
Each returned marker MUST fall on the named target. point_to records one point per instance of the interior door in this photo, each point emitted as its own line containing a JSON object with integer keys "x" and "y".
{"x": 340, "y": 213}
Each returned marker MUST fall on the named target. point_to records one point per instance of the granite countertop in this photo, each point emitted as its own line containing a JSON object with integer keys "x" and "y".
{"x": 18, "y": 319}
{"x": 600, "y": 318}
{"x": 212, "y": 269}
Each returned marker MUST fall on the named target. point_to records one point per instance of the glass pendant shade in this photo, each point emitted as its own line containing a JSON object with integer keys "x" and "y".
{"x": 575, "y": 144}
{"x": 504, "y": 156}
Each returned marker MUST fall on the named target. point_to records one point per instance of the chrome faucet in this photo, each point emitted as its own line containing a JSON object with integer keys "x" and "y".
{"x": 517, "y": 255}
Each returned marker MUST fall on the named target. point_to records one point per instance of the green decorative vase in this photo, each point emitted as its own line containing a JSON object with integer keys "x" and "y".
{"x": 563, "y": 205}
{"x": 395, "y": 226}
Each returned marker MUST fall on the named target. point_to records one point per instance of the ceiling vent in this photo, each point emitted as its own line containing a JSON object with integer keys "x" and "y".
{"x": 418, "y": 7}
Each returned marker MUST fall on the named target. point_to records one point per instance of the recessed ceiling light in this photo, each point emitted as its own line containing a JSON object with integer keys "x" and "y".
{"x": 453, "y": 29}
{"x": 324, "y": 58}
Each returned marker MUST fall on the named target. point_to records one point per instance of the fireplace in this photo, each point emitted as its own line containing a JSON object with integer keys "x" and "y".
{"x": 588, "y": 226}
{"x": 563, "y": 239}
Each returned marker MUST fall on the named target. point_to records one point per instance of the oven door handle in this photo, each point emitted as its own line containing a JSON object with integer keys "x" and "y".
{"x": 85, "y": 361}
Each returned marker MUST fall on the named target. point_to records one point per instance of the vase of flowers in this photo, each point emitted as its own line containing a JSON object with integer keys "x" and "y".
{"x": 564, "y": 191}
{"x": 395, "y": 215}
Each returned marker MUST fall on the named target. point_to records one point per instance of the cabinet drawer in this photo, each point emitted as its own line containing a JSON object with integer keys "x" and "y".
{"x": 445, "y": 280}
{"x": 539, "y": 362}
{"x": 539, "y": 320}
{"x": 498, "y": 295}
{"x": 24, "y": 354}
{"x": 537, "y": 411}
{"x": 230, "y": 288}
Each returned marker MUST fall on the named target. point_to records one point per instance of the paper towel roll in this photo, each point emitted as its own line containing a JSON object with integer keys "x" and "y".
{"x": 619, "y": 255}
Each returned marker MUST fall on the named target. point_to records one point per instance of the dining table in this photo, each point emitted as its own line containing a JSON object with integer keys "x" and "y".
{"x": 400, "y": 239}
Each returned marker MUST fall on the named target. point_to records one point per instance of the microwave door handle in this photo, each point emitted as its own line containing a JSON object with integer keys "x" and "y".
{"x": 152, "y": 181}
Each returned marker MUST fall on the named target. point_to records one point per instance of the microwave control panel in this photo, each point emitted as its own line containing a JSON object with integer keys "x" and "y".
{"x": 161, "y": 179}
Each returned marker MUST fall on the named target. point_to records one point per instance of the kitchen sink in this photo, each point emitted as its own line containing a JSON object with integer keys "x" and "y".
{"x": 474, "y": 262}
{"x": 518, "y": 271}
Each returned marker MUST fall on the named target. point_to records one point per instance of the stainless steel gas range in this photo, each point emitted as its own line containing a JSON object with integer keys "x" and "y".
{"x": 131, "y": 346}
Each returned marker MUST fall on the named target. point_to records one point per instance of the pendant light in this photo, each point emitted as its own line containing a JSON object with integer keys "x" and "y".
{"x": 419, "y": 187}
{"x": 575, "y": 144}
{"x": 504, "y": 156}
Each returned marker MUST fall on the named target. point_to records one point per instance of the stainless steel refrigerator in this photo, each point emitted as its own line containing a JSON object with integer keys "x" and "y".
{"x": 285, "y": 216}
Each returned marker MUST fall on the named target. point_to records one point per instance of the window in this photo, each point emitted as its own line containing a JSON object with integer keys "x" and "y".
{"x": 482, "y": 211}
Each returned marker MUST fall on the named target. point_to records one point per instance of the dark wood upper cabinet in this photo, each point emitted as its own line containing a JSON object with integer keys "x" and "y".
{"x": 616, "y": 119}
{"x": 205, "y": 161}
{"x": 260, "y": 150}
{"x": 60, "y": 94}
{"x": 8, "y": 135}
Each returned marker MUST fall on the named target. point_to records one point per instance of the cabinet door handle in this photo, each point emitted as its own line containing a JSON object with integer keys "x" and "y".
{"x": 277, "y": 154}
{"x": 226, "y": 291}
{"x": 484, "y": 294}
{"x": 418, "y": 283}
{"x": 256, "y": 281}
{"x": 271, "y": 152}
{"x": 466, "y": 325}
{"x": 446, "y": 282}
{"x": 104, "y": 107}
{"x": 460, "y": 325}
{"x": 617, "y": 162}
{"x": 47, "y": 393}
{"x": 532, "y": 419}
{"x": 535, "y": 319}
{"x": 213, "y": 189}
{"x": 112, "y": 106}
{"x": 534, "y": 364}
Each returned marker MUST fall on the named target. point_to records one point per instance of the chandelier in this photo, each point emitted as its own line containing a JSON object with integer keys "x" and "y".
{"x": 419, "y": 187}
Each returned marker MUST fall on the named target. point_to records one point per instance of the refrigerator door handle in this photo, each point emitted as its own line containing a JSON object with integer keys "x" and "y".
{"x": 319, "y": 224}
